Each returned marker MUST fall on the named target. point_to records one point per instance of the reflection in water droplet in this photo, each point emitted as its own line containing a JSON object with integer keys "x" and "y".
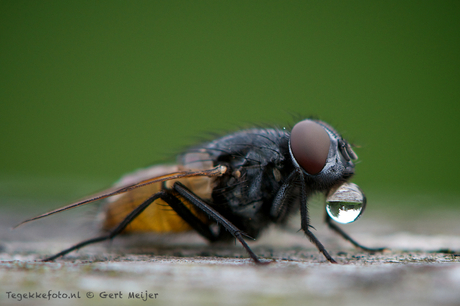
{"x": 346, "y": 203}
{"x": 343, "y": 212}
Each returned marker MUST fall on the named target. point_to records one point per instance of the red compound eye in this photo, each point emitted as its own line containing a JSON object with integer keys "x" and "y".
{"x": 310, "y": 145}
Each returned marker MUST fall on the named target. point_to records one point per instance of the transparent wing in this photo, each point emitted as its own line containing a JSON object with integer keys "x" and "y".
{"x": 212, "y": 172}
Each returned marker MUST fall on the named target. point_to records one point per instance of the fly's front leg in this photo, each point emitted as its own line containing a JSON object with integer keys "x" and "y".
{"x": 305, "y": 220}
{"x": 345, "y": 236}
{"x": 313, "y": 239}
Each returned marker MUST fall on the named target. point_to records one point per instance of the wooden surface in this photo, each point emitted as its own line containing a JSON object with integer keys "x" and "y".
{"x": 419, "y": 268}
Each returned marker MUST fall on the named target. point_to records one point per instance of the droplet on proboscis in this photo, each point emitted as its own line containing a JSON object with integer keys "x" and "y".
{"x": 345, "y": 204}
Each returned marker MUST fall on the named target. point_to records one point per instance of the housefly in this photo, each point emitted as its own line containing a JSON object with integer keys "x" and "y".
{"x": 236, "y": 186}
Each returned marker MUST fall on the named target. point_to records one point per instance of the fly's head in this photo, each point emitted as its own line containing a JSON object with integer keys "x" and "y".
{"x": 324, "y": 156}
{"x": 326, "y": 160}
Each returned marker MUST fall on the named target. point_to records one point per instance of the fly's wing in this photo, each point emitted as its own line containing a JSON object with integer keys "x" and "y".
{"x": 158, "y": 217}
{"x": 142, "y": 184}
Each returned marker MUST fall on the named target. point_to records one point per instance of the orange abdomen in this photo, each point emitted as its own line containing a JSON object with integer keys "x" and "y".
{"x": 159, "y": 217}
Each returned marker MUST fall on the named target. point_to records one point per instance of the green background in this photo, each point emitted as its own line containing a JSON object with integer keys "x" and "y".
{"x": 93, "y": 89}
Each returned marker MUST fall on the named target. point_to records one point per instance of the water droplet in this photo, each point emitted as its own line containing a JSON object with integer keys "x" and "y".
{"x": 345, "y": 204}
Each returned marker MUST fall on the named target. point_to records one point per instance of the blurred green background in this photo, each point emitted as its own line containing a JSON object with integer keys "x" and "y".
{"x": 93, "y": 89}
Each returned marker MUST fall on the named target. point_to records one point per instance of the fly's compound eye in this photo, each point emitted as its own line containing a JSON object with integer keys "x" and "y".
{"x": 310, "y": 145}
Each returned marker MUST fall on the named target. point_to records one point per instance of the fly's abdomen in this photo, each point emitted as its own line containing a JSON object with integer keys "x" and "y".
{"x": 159, "y": 217}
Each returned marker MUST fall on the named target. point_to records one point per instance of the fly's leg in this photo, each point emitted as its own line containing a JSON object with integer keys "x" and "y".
{"x": 185, "y": 213}
{"x": 313, "y": 239}
{"x": 345, "y": 236}
{"x": 280, "y": 207}
{"x": 212, "y": 213}
{"x": 170, "y": 197}
{"x": 305, "y": 220}
{"x": 128, "y": 219}
{"x": 166, "y": 196}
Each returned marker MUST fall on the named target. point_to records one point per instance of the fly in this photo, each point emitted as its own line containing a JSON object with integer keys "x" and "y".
{"x": 236, "y": 186}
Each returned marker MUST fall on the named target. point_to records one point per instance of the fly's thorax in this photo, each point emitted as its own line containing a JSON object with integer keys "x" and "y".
{"x": 255, "y": 160}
